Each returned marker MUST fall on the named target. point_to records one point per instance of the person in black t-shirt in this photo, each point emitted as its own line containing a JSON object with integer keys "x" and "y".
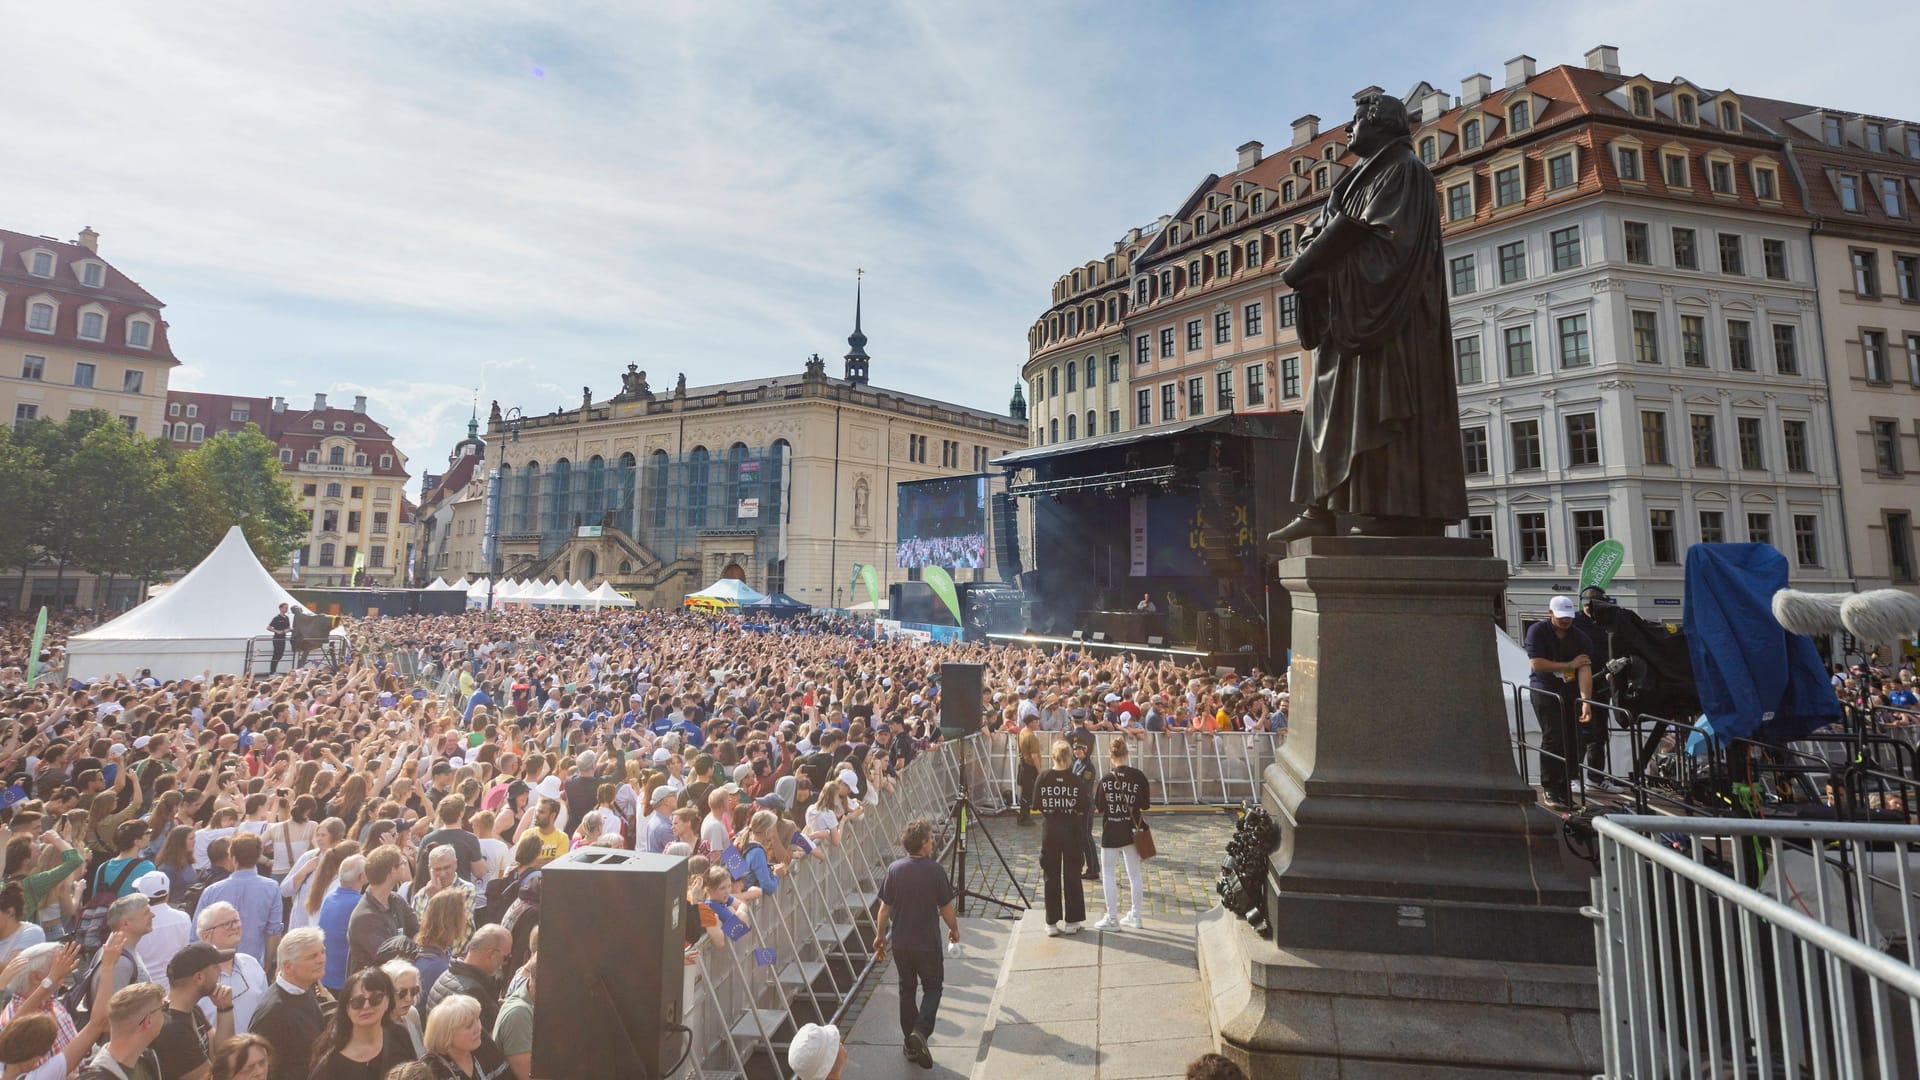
{"x": 185, "y": 1042}
{"x": 1064, "y": 801}
{"x": 1562, "y": 680}
{"x": 1122, "y": 797}
{"x": 281, "y": 625}
{"x": 914, "y": 897}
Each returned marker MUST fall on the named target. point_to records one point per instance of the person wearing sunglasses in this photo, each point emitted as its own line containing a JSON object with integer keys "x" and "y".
{"x": 403, "y": 1020}
{"x": 357, "y": 1043}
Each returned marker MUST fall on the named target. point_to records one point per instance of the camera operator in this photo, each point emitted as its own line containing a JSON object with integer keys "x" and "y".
{"x": 1562, "y": 660}
{"x": 1595, "y": 732}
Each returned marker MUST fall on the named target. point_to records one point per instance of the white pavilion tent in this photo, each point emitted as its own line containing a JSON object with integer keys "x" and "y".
{"x": 607, "y": 596}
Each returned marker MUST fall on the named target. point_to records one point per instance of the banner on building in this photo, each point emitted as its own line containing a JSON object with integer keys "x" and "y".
{"x": 749, "y": 508}
{"x": 1137, "y": 533}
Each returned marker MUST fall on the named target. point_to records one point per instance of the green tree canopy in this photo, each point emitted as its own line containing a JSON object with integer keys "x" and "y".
{"x": 234, "y": 479}
{"x": 23, "y": 476}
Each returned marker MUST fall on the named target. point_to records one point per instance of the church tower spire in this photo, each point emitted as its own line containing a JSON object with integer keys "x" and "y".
{"x": 857, "y": 341}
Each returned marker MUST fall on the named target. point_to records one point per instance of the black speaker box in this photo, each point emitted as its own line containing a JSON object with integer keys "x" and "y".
{"x": 961, "y": 686}
{"x": 1006, "y": 536}
{"x": 611, "y": 935}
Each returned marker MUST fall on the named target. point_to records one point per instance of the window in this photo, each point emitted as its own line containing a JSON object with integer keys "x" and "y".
{"x": 1193, "y": 272}
{"x": 1169, "y": 403}
{"x": 1873, "y": 347}
{"x": 1653, "y": 437}
{"x": 1166, "y": 342}
{"x": 24, "y": 414}
{"x": 1473, "y": 451}
{"x": 1460, "y": 202}
{"x": 1143, "y": 407}
{"x": 1320, "y": 178}
{"x": 1666, "y": 542}
{"x": 192, "y": 410}
{"x": 1466, "y": 360}
{"x": 1507, "y": 189}
{"x": 337, "y": 456}
{"x": 1730, "y": 262}
{"x": 1683, "y": 108}
{"x": 1900, "y": 548}
{"x": 1906, "y": 276}
{"x": 1289, "y": 309}
{"x": 1773, "y": 255}
{"x": 1533, "y": 538}
{"x": 93, "y": 326}
{"x": 1760, "y": 528}
{"x": 1890, "y": 197}
{"x": 1786, "y": 349}
{"x": 1627, "y": 160}
{"x": 1142, "y": 349}
{"x": 386, "y": 461}
{"x": 1073, "y": 424}
{"x": 1113, "y": 425}
{"x": 1589, "y": 528}
{"x": 1223, "y": 391}
{"x": 83, "y": 374}
{"x": 1793, "y": 434}
{"x": 1196, "y": 396}
{"x": 1560, "y": 172}
{"x": 1480, "y": 527}
{"x": 1740, "y": 344}
{"x": 1642, "y": 101}
{"x": 1686, "y": 256}
{"x": 1574, "y": 349}
{"x": 1766, "y": 184}
{"x": 1713, "y": 527}
{"x": 1255, "y": 255}
{"x": 329, "y": 521}
{"x": 1520, "y": 117}
{"x": 377, "y": 556}
{"x": 1289, "y": 377}
{"x": 326, "y": 554}
{"x": 40, "y": 317}
{"x": 1283, "y": 243}
{"x": 333, "y": 491}
{"x": 1676, "y": 169}
{"x": 1693, "y": 341}
{"x": 1073, "y": 377}
{"x": 1513, "y": 262}
{"x": 1706, "y": 444}
{"x": 1639, "y": 243}
{"x": 1053, "y": 381}
{"x": 1646, "y": 337}
{"x": 1470, "y": 134}
{"x": 1193, "y": 335}
{"x": 1566, "y": 247}
{"x": 1913, "y": 359}
{"x": 1255, "y": 205}
{"x": 1256, "y": 385}
{"x": 1429, "y": 150}
{"x": 1222, "y": 327}
{"x": 1223, "y": 264}
{"x": 1849, "y": 192}
{"x": 353, "y": 521}
{"x": 1252, "y": 319}
{"x": 35, "y": 368}
{"x": 1524, "y": 438}
{"x": 1886, "y": 448}
{"x": 239, "y": 414}
{"x": 1519, "y": 350}
{"x": 1720, "y": 175}
{"x": 1113, "y": 367}
{"x": 1462, "y": 272}
{"x": 1583, "y": 440}
{"x": 1729, "y": 116}
{"x": 1746, "y": 430}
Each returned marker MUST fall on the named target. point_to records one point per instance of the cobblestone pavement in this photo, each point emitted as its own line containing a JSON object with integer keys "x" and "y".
{"x": 1179, "y": 879}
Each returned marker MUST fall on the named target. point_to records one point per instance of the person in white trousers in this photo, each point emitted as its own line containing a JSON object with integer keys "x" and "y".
{"x": 1122, "y": 800}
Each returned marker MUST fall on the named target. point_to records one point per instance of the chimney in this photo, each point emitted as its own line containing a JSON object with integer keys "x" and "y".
{"x": 319, "y": 402}
{"x": 1371, "y": 91}
{"x": 1519, "y": 70}
{"x": 1306, "y": 129}
{"x": 1604, "y": 58}
{"x": 1249, "y": 156}
{"x": 1473, "y": 88}
{"x": 360, "y": 404}
{"x": 1433, "y": 105}
{"x": 90, "y": 240}
{"x": 279, "y": 404}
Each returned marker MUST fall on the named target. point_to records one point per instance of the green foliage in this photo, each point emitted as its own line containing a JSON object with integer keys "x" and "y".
{"x": 234, "y": 479}
{"x": 23, "y": 477}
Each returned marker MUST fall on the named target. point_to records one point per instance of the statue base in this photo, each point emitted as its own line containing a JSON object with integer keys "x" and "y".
{"x": 1411, "y": 854}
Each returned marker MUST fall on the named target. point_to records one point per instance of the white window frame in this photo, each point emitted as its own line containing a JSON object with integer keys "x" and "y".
{"x": 143, "y": 323}
{"x": 53, "y": 322}
{"x": 80, "y": 324}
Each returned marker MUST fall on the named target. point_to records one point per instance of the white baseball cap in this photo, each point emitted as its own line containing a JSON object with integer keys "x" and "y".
{"x": 153, "y": 883}
{"x": 814, "y": 1052}
{"x": 1561, "y": 606}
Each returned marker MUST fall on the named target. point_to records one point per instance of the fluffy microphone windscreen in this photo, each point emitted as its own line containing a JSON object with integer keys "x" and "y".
{"x": 1881, "y": 615}
{"x": 1808, "y": 613}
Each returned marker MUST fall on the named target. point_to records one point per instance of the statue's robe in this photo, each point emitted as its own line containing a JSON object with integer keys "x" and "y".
{"x": 1381, "y": 434}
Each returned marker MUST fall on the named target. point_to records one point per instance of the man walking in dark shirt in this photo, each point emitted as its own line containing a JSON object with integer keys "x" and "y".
{"x": 914, "y": 897}
{"x": 1562, "y": 662}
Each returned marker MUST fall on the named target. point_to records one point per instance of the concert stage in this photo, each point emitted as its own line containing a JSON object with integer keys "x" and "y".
{"x": 1176, "y": 514}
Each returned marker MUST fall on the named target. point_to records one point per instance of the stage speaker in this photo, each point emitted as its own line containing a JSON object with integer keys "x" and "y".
{"x": 1219, "y": 545}
{"x": 961, "y": 687}
{"x": 610, "y": 989}
{"x": 1006, "y": 536}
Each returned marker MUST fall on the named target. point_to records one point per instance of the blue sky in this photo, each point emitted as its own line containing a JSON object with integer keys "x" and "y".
{"x": 415, "y": 200}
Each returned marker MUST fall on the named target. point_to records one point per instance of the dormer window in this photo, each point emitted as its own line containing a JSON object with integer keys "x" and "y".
{"x": 319, "y": 425}
{"x": 339, "y": 425}
{"x": 1729, "y": 116}
{"x": 1320, "y": 179}
{"x": 286, "y": 457}
{"x": 1076, "y": 281}
{"x": 1683, "y": 109}
{"x": 40, "y": 264}
{"x": 192, "y": 411}
{"x": 1330, "y": 151}
{"x": 93, "y": 326}
{"x": 1470, "y": 134}
{"x": 1226, "y": 215}
{"x": 359, "y": 461}
{"x": 386, "y": 461}
{"x": 1876, "y": 138}
{"x": 1173, "y": 234}
{"x": 1257, "y": 203}
{"x": 1830, "y": 130}
{"x": 1642, "y": 101}
{"x": 1913, "y": 142}
{"x": 1429, "y": 150}
{"x": 92, "y": 275}
{"x": 358, "y": 428}
{"x": 1299, "y": 166}
{"x": 139, "y": 333}
{"x": 1213, "y": 201}
{"x": 1520, "y": 117}
{"x": 1286, "y": 192}
{"x": 1766, "y": 183}
{"x": 313, "y": 457}
{"x": 1850, "y": 193}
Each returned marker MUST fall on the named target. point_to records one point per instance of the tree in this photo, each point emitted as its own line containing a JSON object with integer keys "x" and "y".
{"x": 23, "y": 476}
{"x": 125, "y": 518}
{"x": 234, "y": 479}
{"x": 68, "y": 520}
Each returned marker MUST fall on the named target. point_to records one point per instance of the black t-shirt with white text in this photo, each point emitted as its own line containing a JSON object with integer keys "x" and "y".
{"x": 1062, "y": 797}
{"x": 1122, "y": 796}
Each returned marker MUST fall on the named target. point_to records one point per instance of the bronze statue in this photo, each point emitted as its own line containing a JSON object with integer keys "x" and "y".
{"x": 1381, "y": 434}
{"x": 680, "y": 386}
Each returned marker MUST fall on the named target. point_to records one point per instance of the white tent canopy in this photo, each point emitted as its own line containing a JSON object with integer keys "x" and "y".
{"x": 728, "y": 590}
{"x": 607, "y": 596}
{"x": 202, "y": 623}
{"x": 438, "y": 585}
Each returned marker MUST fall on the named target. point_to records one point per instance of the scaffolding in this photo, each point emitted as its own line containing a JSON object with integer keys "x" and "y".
{"x": 666, "y": 502}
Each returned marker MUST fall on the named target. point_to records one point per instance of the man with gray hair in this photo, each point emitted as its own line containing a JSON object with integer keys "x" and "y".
{"x": 132, "y": 916}
{"x": 336, "y": 914}
{"x": 290, "y": 1018}
{"x": 219, "y": 925}
{"x": 443, "y": 874}
{"x": 475, "y": 973}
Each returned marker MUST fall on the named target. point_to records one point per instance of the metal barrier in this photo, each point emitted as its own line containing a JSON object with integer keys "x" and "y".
{"x": 741, "y": 1000}
{"x": 1736, "y": 947}
{"x": 1183, "y": 768}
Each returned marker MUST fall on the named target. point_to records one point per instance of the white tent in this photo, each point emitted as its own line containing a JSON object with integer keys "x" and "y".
{"x": 202, "y": 623}
{"x": 439, "y": 585}
{"x": 459, "y": 586}
{"x": 576, "y": 593}
{"x": 728, "y": 591}
{"x": 607, "y": 596}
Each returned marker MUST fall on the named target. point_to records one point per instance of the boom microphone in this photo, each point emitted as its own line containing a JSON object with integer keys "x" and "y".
{"x": 1808, "y": 613}
{"x": 1879, "y": 615}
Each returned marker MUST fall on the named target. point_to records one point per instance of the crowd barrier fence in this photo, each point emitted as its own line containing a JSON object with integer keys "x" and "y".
{"x": 1183, "y": 768}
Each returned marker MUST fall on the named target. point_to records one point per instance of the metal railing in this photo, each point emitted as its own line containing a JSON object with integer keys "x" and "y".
{"x": 1738, "y": 947}
{"x": 1183, "y": 768}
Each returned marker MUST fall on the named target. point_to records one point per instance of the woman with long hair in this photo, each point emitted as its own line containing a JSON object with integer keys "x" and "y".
{"x": 294, "y": 835}
{"x": 244, "y": 1057}
{"x": 355, "y": 1045}
{"x": 441, "y": 932}
{"x": 103, "y": 819}
{"x": 824, "y": 817}
{"x": 306, "y": 910}
{"x": 175, "y": 859}
{"x": 457, "y": 1046}
{"x": 353, "y": 795}
{"x": 165, "y": 815}
{"x": 755, "y": 844}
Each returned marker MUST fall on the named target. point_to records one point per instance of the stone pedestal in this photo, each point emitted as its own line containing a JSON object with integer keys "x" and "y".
{"x": 1407, "y": 837}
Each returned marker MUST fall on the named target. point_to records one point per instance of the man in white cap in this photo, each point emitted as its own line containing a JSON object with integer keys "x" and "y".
{"x": 172, "y": 928}
{"x": 816, "y": 1053}
{"x": 1562, "y": 682}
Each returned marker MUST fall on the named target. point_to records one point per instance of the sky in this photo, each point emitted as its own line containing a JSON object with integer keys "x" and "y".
{"x": 428, "y": 202}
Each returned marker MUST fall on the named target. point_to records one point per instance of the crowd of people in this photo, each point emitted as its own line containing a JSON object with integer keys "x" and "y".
{"x": 336, "y": 872}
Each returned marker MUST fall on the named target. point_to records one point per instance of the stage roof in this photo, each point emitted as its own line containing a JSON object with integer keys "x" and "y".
{"x": 1257, "y": 425}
